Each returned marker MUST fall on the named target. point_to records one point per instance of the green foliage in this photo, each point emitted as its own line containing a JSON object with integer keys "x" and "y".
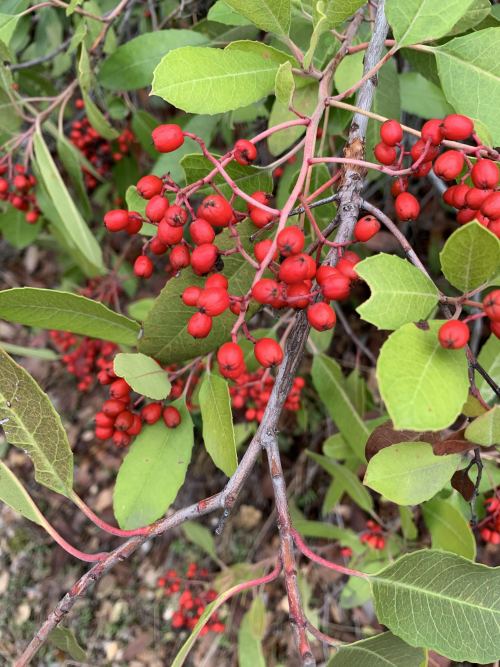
{"x": 422, "y": 97}
{"x": 200, "y": 536}
{"x": 385, "y": 650}
{"x": 449, "y": 529}
{"x": 485, "y": 430}
{"x": 15, "y": 230}
{"x": 285, "y": 84}
{"x": 13, "y": 494}
{"x": 489, "y": 358}
{"x": 218, "y": 431}
{"x": 304, "y": 101}
{"x": 250, "y": 635}
{"x": 95, "y": 116}
{"x": 64, "y": 639}
{"x": 269, "y": 15}
{"x": 30, "y": 422}
{"x": 143, "y": 374}
{"x": 63, "y": 311}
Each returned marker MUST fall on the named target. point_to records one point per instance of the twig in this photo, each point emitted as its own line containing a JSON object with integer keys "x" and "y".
{"x": 355, "y": 339}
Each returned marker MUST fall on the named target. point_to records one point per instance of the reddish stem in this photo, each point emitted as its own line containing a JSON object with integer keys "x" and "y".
{"x": 302, "y": 546}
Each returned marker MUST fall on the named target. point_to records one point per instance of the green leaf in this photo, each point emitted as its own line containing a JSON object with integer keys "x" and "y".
{"x": 385, "y": 650}
{"x": 304, "y": 101}
{"x": 269, "y": 15}
{"x": 349, "y": 71}
{"x": 140, "y": 309}
{"x": 64, "y": 639}
{"x": 71, "y": 158}
{"x": 485, "y": 430}
{"x": 449, "y": 529}
{"x": 209, "y": 81}
{"x": 423, "y": 385}
{"x": 34, "y": 353}
{"x": 400, "y": 293}
{"x": 13, "y": 494}
{"x": 16, "y": 231}
{"x": 476, "y": 13}
{"x": 73, "y": 223}
{"x": 337, "y": 11}
{"x": 222, "y": 13}
{"x": 489, "y": 358}
{"x": 153, "y": 471}
{"x": 250, "y": 635}
{"x": 349, "y": 480}
{"x": 143, "y": 124}
{"x": 95, "y": 116}
{"x": 201, "y": 536}
{"x": 470, "y": 257}
{"x": 472, "y": 62}
{"x": 218, "y": 432}
{"x": 443, "y": 602}
{"x": 416, "y": 21}
{"x": 143, "y": 374}
{"x": 408, "y": 527}
{"x": 409, "y": 473}
{"x": 285, "y": 84}
{"x": 421, "y": 97}
{"x": 264, "y": 51}
{"x": 132, "y": 64}
{"x": 30, "y": 422}
{"x": 63, "y": 311}
{"x": 330, "y": 385}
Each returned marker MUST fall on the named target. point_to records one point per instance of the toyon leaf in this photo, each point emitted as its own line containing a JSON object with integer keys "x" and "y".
{"x": 209, "y": 81}
{"x": 400, "y": 293}
{"x": 153, "y": 471}
{"x": 269, "y": 15}
{"x": 304, "y": 101}
{"x": 30, "y": 422}
{"x": 409, "y": 473}
{"x": 250, "y": 635}
{"x": 143, "y": 374}
{"x": 385, "y": 650}
{"x": 415, "y": 21}
{"x": 386, "y": 435}
{"x": 423, "y": 385}
{"x": 285, "y": 84}
{"x": 64, "y": 639}
{"x": 485, "y": 430}
{"x": 449, "y": 529}
{"x": 470, "y": 257}
{"x": 64, "y": 311}
{"x": 443, "y": 602}
{"x": 13, "y": 494}
{"x": 201, "y": 536}
{"x": 489, "y": 358}
{"x": 340, "y": 10}
{"x": 218, "y": 431}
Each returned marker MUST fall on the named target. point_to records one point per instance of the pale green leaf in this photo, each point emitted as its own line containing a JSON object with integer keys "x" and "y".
{"x": 489, "y": 358}
{"x": 443, "y": 602}
{"x": 285, "y": 84}
{"x": 218, "y": 432}
{"x": 408, "y": 527}
{"x": 269, "y": 15}
{"x": 349, "y": 71}
{"x": 33, "y": 352}
{"x": 222, "y": 13}
{"x": 476, "y": 13}
{"x": 423, "y": 385}
{"x": 201, "y": 536}
{"x": 421, "y": 97}
{"x": 71, "y": 158}
{"x": 13, "y": 494}
{"x": 304, "y": 101}
{"x": 400, "y": 293}
{"x": 209, "y": 81}
{"x": 30, "y": 422}
{"x": 449, "y": 529}
{"x": 64, "y": 311}
{"x": 385, "y": 650}
{"x": 414, "y": 21}
{"x": 153, "y": 471}
{"x": 141, "y": 308}
{"x": 337, "y": 11}
{"x": 64, "y": 639}
{"x": 143, "y": 374}
{"x": 264, "y": 51}
{"x": 94, "y": 114}
{"x": 250, "y": 635}
{"x": 470, "y": 257}
{"x": 485, "y": 430}
{"x": 409, "y": 472}
{"x": 16, "y": 231}
{"x": 328, "y": 531}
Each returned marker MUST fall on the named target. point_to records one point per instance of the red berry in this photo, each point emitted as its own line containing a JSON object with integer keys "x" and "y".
{"x": 336, "y": 287}
{"x": 199, "y": 325}
{"x": 157, "y": 246}
{"x": 290, "y": 241}
{"x": 201, "y": 231}
{"x": 261, "y": 249}
{"x": 191, "y": 295}
{"x": 169, "y": 235}
{"x": 460, "y": 193}
{"x": 261, "y": 197}
{"x": 391, "y": 132}
{"x": 119, "y": 389}
{"x": 136, "y": 426}
{"x": 298, "y": 295}
{"x": 494, "y": 227}
{"x": 495, "y": 328}
{"x": 260, "y": 218}
{"x": 400, "y": 185}
{"x": 484, "y": 174}
{"x": 266, "y": 291}
{"x": 121, "y": 439}
{"x": 433, "y": 130}
{"x": 216, "y": 210}
{"x": 149, "y": 186}
{"x": 213, "y": 301}
{"x": 4, "y": 186}
{"x": 407, "y": 206}
{"x": 346, "y": 267}
{"x": 179, "y": 257}
{"x": 268, "y": 352}
{"x": 321, "y": 316}
{"x": 103, "y": 420}
{"x": 297, "y": 268}
{"x": 385, "y": 154}
{"x": 176, "y": 216}
{"x": 491, "y": 206}
{"x": 423, "y": 170}
{"x": 491, "y": 305}
{"x": 457, "y": 127}
{"x": 217, "y": 280}
{"x": 454, "y": 334}
{"x": 156, "y": 208}
{"x": 103, "y": 433}
{"x": 167, "y": 138}
{"x": 366, "y": 228}
{"x": 112, "y": 407}
{"x": 466, "y": 215}
{"x": 134, "y": 223}
{"x": 230, "y": 357}
{"x": 143, "y": 267}
{"x": 325, "y": 272}
{"x": 171, "y": 416}
{"x": 32, "y": 217}
{"x": 420, "y": 148}
{"x": 21, "y": 182}
{"x": 449, "y": 165}
{"x": 116, "y": 220}
{"x": 203, "y": 258}
{"x": 475, "y": 197}
{"x": 124, "y": 420}
{"x": 244, "y": 152}
{"x": 151, "y": 413}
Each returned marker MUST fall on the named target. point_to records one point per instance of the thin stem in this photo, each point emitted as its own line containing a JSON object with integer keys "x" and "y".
{"x": 302, "y": 546}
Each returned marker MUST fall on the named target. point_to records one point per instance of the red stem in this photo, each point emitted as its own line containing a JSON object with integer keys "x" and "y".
{"x": 302, "y": 546}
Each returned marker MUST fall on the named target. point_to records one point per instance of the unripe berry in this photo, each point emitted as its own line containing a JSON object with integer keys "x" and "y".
{"x": 433, "y": 130}
{"x": 491, "y": 305}
{"x": 391, "y": 132}
{"x": 407, "y": 206}
{"x": 203, "y": 258}
{"x": 179, "y": 257}
{"x": 149, "y": 186}
{"x": 484, "y": 174}
{"x": 454, "y": 334}
{"x": 261, "y": 249}
{"x": 385, "y": 154}
{"x": 290, "y": 241}
{"x": 336, "y": 287}
{"x": 167, "y": 138}
{"x": 171, "y": 416}
{"x": 112, "y": 407}
{"x": 260, "y": 218}
{"x": 321, "y": 316}
{"x": 244, "y": 152}
{"x": 199, "y": 325}
{"x": 176, "y": 216}
{"x": 124, "y": 420}
{"x": 266, "y": 291}
{"x": 216, "y": 210}
{"x": 151, "y": 413}
{"x": 366, "y": 228}
{"x": 230, "y": 357}
{"x": 116, "y": 220}
{"x": 191, "y": 295}
{"x": 268, "y": 352}
{"x": 491, "y": 206}
{"x": 217, "y": 280}
{"x": 213, "y": 301}
{"x": 156, "y": 208}
{"x": 169, "y": 235}
{"x": 143, "y": 267}
{"x": 297, "y": 268}
{"x": 449, "y": 165}
{"x": 120, "y": 388}
{"x": 136, "y": 426}
{"x": 103, "y": 433}
{"x": 457, "y": 127}
{"x": 201, "y": 231}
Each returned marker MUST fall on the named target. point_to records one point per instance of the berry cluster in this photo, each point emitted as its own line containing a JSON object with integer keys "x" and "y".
{"x": 18, "y": 191}
{"x": 101, "y": 153}
{"x": 194, "y": 597}
{"x": 490, "y": 530}
{"x": 455, "y": 334}
{"x": 252, "y": 391}
{"x": 373, "y": 536}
